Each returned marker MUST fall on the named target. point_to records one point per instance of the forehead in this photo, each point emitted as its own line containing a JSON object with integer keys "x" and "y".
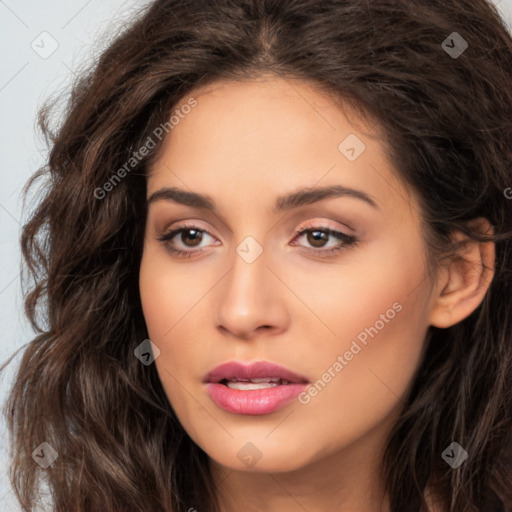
{"x": 263, "y": 117}
{"x": 273, "y": 135}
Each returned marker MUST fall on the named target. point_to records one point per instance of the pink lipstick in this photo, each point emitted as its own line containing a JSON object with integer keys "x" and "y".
{"x": 253, "y": 389}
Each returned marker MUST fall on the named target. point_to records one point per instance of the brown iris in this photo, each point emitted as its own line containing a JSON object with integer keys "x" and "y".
{"x": 314, "y": 240}
{"x": 196, "y": 237}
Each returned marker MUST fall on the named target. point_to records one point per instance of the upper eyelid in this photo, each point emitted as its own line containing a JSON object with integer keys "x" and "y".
{"x": 309, "y": 225}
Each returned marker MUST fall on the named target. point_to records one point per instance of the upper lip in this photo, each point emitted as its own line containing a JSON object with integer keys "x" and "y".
{"x": 256, "y": 370}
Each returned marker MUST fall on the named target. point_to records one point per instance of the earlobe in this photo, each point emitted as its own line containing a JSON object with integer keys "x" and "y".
{"x": 464, "y": 280}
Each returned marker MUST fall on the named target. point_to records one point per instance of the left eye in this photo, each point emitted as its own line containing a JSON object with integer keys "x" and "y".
{"x": 316, "y": 237}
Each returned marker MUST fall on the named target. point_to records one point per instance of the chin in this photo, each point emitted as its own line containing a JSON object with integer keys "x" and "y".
{"x": 261, "y": 457}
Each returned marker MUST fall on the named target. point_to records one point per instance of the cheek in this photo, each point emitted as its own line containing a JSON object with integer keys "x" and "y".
{"x": 366, "y": 386}
{"x": 374, "y": 293}
{"x": 377, "y": 311}
{"x": 170, "y": 301}
{"x": 168, "y": 295}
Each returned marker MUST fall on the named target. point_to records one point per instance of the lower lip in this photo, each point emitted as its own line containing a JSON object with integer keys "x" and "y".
{"x": 256, "y": 401}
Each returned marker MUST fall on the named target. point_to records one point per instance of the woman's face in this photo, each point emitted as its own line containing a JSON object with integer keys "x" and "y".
{"x": 347, "y": 319}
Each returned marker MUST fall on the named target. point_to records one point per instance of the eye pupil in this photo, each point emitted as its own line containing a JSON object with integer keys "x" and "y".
{"x": 314, "y": 240}
{"x": 196, "y": 238}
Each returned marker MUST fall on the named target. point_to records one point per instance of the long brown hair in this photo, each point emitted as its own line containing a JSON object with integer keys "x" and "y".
{"x": 446, "y": 110}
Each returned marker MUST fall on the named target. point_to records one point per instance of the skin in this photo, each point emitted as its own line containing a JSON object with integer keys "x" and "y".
{"x": 243, "y": 145}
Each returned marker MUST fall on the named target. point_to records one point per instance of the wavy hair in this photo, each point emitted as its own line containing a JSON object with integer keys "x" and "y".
{"x": 447, "y": 120}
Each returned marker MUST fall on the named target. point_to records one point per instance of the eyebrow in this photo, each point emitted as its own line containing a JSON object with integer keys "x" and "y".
{"x": 287, "y": 202}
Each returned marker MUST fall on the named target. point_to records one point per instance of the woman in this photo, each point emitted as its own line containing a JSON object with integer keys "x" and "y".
{"x": 274, "y": 258}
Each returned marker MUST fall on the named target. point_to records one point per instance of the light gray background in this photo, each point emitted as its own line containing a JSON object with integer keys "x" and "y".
{"x": 28, "y": 76}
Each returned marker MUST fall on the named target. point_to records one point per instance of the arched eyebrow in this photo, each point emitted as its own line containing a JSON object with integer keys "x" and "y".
{"x": 286, "y": 202}
{"x": 307, "y": 196}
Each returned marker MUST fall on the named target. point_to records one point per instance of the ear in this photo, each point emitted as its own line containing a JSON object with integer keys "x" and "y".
{"x": 464, "y": 279}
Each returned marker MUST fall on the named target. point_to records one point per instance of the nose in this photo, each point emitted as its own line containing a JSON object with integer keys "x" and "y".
{"x": 250, "y": 300}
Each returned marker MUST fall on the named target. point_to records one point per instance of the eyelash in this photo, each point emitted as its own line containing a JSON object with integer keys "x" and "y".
{"x": 348, "y": 240}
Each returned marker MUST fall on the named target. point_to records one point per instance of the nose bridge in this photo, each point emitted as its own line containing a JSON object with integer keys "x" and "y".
{"x": 249, "y": 297}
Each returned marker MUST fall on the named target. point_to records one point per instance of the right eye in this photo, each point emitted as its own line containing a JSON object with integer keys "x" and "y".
{"x": 188, "y": 233}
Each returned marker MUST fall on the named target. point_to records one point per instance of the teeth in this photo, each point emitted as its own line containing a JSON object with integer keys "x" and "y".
{"x": 264, "y": 379}
{"x": 250, "y": 384}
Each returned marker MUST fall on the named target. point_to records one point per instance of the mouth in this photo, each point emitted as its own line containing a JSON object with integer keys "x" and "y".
{"x": 259, "y": 372}
{"x": 251, "y": 384}
{"x": 253, "y": 389}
